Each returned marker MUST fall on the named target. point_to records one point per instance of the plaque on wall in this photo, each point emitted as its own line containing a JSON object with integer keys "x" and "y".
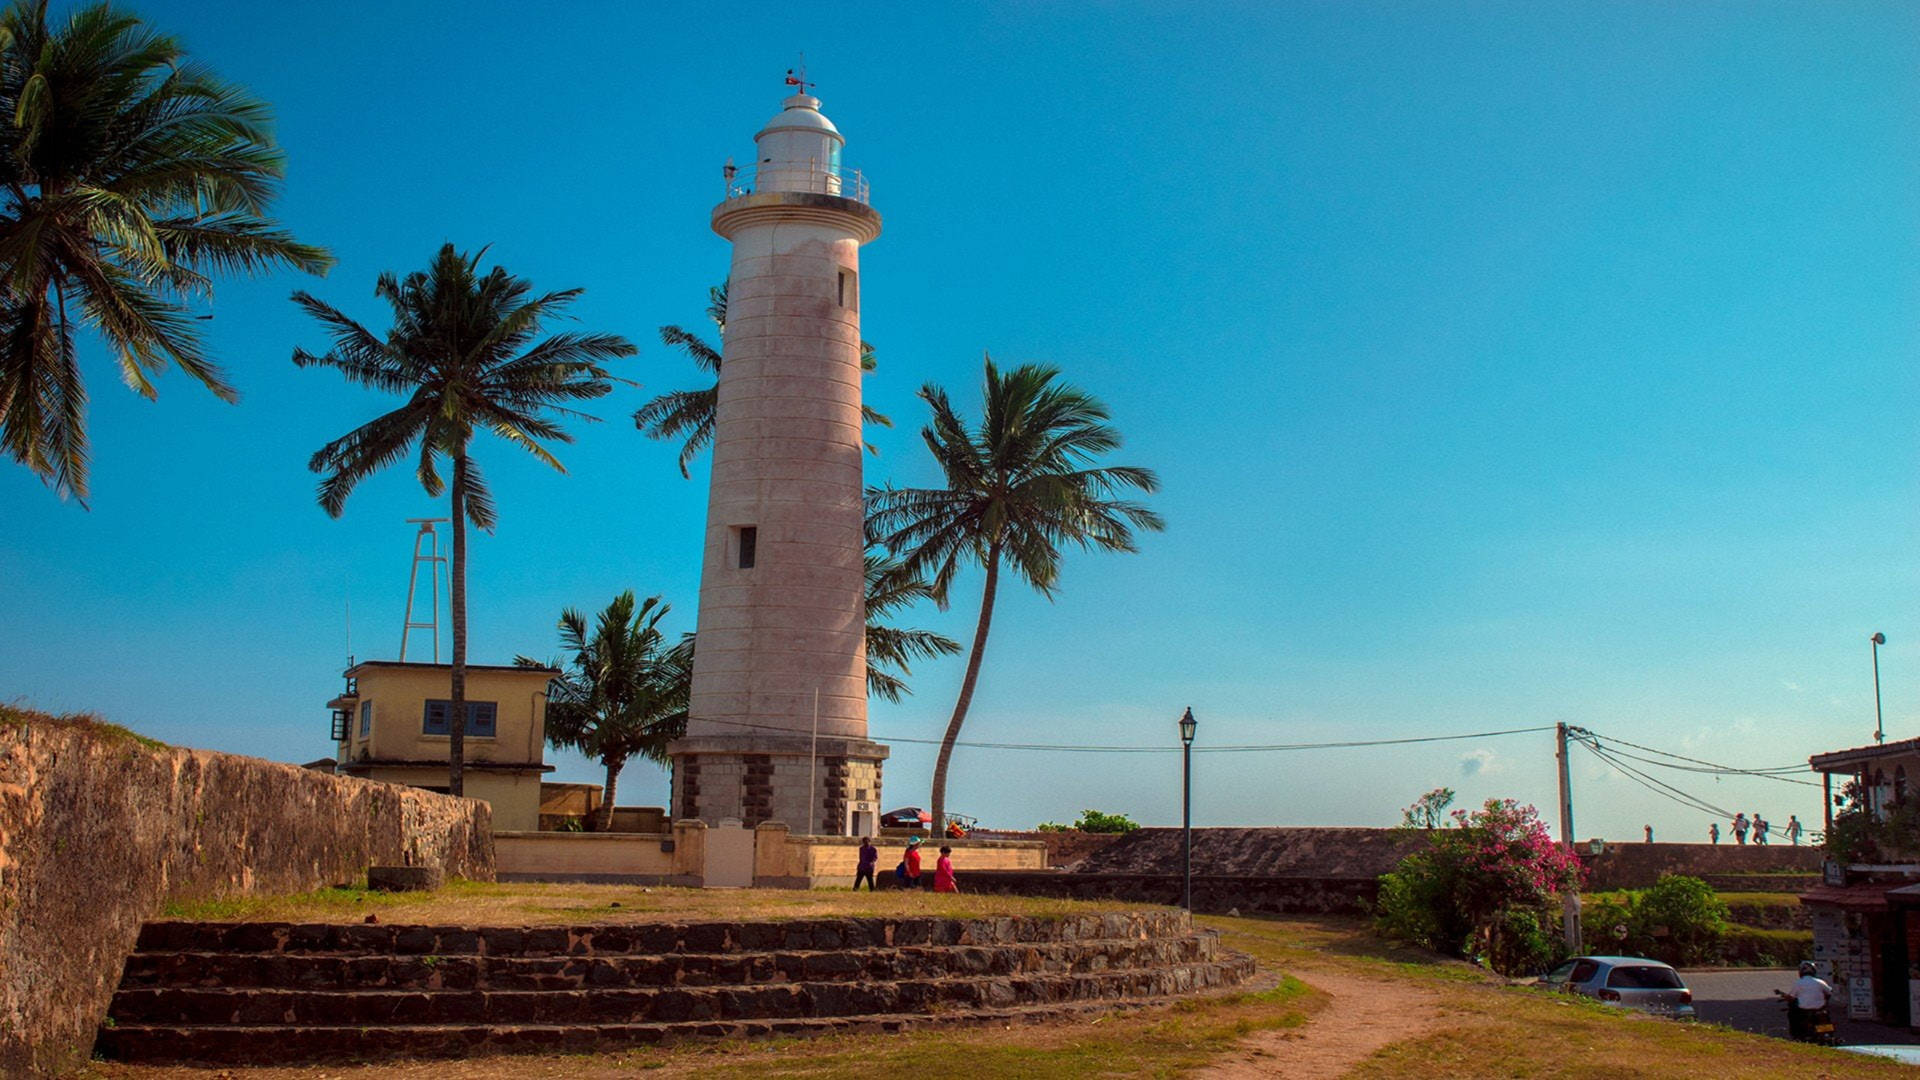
{"x": 1860, "y": 997}
{"x": 1834, "y": 874}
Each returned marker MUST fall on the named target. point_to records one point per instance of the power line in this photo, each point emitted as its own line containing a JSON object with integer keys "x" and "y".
{"x": 1094, "y": 748}
{"x": 1710, "y": 766}
{"x": 1658, "y": 787}
{"x": 1242, "y": 749}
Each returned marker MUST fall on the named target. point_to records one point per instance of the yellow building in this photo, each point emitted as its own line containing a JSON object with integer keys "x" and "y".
{"x": 392, "y": 724}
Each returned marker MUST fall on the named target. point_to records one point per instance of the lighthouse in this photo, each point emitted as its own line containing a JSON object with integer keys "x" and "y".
{"x": 777, "y": 724}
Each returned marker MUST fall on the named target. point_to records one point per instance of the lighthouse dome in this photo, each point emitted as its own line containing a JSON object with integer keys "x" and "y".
{"x": 799, "y": 149}
{"x": 801, "y": 113}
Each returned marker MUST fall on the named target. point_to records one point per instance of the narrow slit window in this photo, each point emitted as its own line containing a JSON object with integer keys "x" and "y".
{"x": 849, "y": 289}
{"x": 749, "y": 540}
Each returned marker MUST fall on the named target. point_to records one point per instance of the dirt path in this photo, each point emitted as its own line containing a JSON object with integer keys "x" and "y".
{"x": 1366, "y": 1013}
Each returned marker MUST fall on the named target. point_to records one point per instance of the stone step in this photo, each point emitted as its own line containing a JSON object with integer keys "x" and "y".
{"x": 323, "y": 971}
{"x": 304, "y": 1008}
{"x": 717, "y": 937}
{"x": 285, "y": 1044}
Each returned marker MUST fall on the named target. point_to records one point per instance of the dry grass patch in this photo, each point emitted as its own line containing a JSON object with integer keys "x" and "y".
{"x": 472, "y": 903}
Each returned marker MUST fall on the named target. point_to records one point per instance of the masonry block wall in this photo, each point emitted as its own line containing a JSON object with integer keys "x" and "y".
{"x": 99, "y": 829}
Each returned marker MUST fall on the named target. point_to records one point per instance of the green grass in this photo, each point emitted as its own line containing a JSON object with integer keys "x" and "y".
{"x": 473, "y": 903}
{"x": 1487, "y": 1029}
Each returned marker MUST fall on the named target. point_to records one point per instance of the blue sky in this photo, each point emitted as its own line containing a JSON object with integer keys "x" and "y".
{"x": 1504, "y": 364}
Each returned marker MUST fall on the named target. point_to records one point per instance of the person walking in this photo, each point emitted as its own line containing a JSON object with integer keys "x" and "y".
{"x": 1793, "y": 829}
{"x": 1760, "y": 827}
{"x": 1649, "y": 829}
{"x": 1713, "y": 832}
{"x": 943, "y": 872}
{"x": 869, "y": 855}
{"x": 909, "y": 869}
{"x": 1739, "y": 828}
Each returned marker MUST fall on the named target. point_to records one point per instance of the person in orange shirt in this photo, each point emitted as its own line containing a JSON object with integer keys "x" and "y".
{"x": 943, "y": 872}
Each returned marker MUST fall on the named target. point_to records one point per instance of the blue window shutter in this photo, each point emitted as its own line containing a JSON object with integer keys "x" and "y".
{"x": 366, "y": 718}
{"x": 437, "y": 718}
{"x": 482, "y": 718}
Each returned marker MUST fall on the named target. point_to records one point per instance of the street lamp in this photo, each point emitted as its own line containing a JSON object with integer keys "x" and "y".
{"x": 1879, "y": 732}
{"x": 1187, "y": 726}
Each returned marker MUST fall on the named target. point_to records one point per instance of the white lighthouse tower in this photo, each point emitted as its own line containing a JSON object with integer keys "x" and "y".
{"x": 777, "y": 727}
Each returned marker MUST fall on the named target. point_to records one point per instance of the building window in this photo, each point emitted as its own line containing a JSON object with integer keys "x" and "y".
{"x": 1899, "y": 785}
{"x": 366, "y": 718}
{"x": 747, "y": 546}
{"x": 482, "y": 718}
{"x": 849, "y": 294}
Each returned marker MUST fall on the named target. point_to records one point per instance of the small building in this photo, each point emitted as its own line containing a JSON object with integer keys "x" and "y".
{"x": 1866, "y": 914}
{"x": 392, "y": 724}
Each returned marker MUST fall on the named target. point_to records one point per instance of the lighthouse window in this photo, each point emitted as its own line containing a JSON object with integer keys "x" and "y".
{"x": 849, "y": 289}
{"x": 749, "y": 539}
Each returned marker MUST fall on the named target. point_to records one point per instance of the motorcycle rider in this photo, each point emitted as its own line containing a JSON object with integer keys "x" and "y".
{"x": 1810, "y": 994}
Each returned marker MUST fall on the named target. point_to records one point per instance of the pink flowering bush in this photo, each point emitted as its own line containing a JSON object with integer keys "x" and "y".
{"x": 1488, "y": 889}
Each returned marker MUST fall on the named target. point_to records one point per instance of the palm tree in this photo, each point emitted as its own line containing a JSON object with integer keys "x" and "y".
{"x": 624, "y": 692}
{"x": 888, "y": 590}
{"x": 462, "y": 349}
{"x": 129, "y": 177}
{"x": 1019, "y": 488}
{"x": 689, "y": 414}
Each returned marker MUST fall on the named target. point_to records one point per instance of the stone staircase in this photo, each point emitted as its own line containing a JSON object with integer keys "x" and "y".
{"x": 278, "y": 993}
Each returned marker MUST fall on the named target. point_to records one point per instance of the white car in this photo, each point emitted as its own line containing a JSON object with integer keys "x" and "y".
{"x": 1631, "y": 982}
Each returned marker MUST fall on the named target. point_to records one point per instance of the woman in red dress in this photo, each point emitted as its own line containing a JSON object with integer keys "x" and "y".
{"x": 943, "y": 872}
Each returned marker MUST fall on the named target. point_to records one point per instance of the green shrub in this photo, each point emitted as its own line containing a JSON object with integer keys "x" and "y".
{"x": 1094, "y": 821}
{"x": 1691, "y": 914}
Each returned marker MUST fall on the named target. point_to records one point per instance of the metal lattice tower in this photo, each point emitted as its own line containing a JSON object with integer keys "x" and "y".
{"x": 426, "y": 549}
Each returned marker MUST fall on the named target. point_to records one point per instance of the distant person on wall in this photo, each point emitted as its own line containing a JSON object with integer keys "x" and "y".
{"x": 1793, "y": 829}
{"x": 943, "y": 872}
{"x": 869, "y": 855}
{"x": 1713, "y": 832}
{"x": 1649, "y": 829}
{"x": 1760, "y": 827}
{"x": 1739, "y": 828}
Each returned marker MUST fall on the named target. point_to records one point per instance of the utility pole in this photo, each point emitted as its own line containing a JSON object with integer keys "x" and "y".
{"x": 1569, "y": 900}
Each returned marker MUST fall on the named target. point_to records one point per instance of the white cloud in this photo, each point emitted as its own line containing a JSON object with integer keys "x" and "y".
{"x": 1790, "y": 685}
{"x": 1481, "y": 762}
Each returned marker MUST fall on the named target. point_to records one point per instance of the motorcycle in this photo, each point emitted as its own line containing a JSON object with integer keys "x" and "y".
{"x": 1814, "y": 1025}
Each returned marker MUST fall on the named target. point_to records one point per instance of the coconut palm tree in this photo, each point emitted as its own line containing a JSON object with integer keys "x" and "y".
{"x": 1019, "y": 489}
{"x": 462, "y": 349}
{"x": 688, "y": 414}
{"x": 129, "y": 177}
{"x": 889, "y": 589}
{"x": 623, "y": 692}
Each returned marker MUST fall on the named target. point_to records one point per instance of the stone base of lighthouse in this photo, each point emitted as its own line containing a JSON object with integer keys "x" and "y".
{"x": 829, "y": 788}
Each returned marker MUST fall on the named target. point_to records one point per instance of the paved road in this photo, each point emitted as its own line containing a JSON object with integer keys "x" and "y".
{"x": 1744, "y": 999}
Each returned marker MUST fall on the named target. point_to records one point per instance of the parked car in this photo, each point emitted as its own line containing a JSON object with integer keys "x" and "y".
{"x": 1631, "y": 982}
{"x": 907, "y": 817}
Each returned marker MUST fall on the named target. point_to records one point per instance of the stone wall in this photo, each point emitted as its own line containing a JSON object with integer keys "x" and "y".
{"x": 1211, "y": 895}
{"x": 100, "y": 828}
{"x": 1064, "y": 849}
{"x": 1637, "y": 866}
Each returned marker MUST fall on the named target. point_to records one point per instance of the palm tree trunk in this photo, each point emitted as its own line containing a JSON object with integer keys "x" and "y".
{"x": 457, "y": 607}
{"x": 606, "y": 802}
{"x": 966, "y": 691}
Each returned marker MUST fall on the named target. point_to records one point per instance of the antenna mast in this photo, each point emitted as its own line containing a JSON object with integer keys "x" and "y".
{"x": 426, "y": 549}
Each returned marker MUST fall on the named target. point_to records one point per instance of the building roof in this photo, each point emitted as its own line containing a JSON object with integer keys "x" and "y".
{"x": 1844, "y": 760}
{"x": 1867, "y": 896}
{"x": 549, "y": 672}
{"x": 364, "y": 764}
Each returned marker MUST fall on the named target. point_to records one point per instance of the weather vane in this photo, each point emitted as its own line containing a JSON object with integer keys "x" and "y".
{"x": 797, "y": 76}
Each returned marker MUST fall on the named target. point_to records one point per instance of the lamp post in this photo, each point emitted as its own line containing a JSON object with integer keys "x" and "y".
{"x": 1879, "y": 731}
{"x": 1187, "y": 726}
